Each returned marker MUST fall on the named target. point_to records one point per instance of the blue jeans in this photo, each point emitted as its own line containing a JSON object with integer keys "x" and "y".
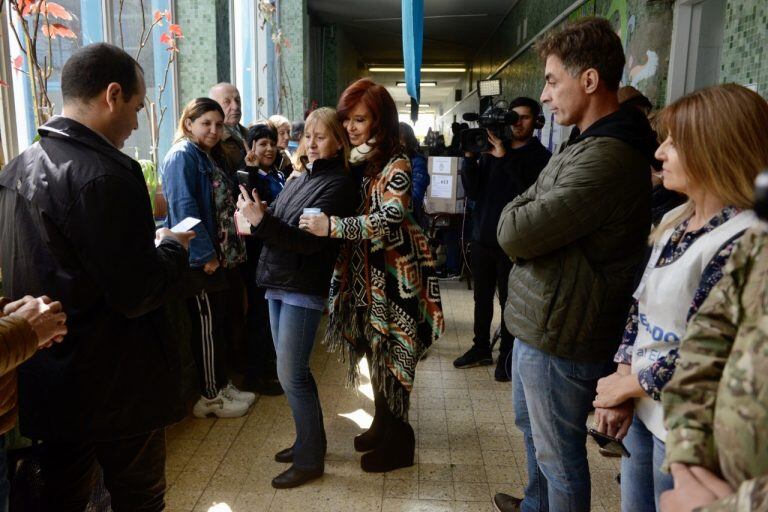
{"x": 293, "y": 332}
{"x": 642, "y": 482}
{"x": 552, "y": 399}
{"x": 5, "y": 485}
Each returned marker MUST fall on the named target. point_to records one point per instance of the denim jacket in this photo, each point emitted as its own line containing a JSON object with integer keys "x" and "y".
{"x": 186, "y": 177}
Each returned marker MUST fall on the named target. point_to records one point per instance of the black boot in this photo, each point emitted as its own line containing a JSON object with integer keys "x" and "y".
{"x": 395, "y": 450}
{"x": 371, "y": 438}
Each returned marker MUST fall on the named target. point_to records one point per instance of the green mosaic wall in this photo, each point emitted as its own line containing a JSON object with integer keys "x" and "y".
{"x": 645, "y": 28}
{"x": 340, "y": 64}
{"x": 745, "y": 44}
{"x": 196, "y": 72}
{"x": 294, "y": 22}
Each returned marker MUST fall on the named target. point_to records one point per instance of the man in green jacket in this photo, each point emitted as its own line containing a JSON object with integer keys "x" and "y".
{"x": 716, "y": 405}
{"x": 575, "y": 238}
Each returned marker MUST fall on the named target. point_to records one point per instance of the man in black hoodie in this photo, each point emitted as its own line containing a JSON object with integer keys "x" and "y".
{"x": 494, "y": 180}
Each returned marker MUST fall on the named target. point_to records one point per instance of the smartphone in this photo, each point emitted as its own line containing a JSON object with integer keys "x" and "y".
{"x": 609, "y": 443}
{"x": 244, "y": 179}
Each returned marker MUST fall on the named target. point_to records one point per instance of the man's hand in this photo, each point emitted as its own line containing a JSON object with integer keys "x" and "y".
{"x": 498, "y": 146}
{"x": 183, "y": 238}
{"x": 12, "y": 307}
{"x": 46, "y": 318}
{"x": 695, "y": 487}
{"x": 615, "y": 421}
{"x": 212, "y": 265}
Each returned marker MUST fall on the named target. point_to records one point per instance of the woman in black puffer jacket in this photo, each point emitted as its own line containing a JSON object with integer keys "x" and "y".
{"x": 295, "y": 268}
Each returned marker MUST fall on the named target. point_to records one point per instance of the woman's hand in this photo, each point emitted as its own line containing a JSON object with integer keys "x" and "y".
{"x": 251, "y": 160}
{"x": 252, "y": 207}
{"x": 316, "y": 224}
{"x": 695, "y": 487}
{"x": 614, "y": 421}
{"x": 212, "y": 265}
{"x": 616, "y": 389}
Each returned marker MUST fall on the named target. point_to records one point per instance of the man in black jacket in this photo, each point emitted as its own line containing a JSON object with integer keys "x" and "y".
{"x": 76, "y": 224}
{"x": 497, "y": 178}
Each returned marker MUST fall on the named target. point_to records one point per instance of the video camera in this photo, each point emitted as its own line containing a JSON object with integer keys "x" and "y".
{"x": 495, "y": 117}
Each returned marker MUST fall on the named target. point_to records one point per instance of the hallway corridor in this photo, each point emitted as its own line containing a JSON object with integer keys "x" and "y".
{"x": 467, "y": 447}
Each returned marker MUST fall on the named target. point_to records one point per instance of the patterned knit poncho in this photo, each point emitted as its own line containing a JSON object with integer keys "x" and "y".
{"x": 384, "y": 291}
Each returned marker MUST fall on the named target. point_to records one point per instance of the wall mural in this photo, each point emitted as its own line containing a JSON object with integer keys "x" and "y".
{"x": 645, "y": 28}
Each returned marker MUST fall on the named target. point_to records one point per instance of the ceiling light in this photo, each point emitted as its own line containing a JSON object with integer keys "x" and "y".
{"x": 423, "y": 70}
{"x": 421, "y": 105}
{"x": 423, "y": 84}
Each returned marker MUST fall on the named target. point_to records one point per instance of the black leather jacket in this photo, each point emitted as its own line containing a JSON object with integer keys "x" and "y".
{"x": 293, "y": 259}
{"x": 76, "y": 225}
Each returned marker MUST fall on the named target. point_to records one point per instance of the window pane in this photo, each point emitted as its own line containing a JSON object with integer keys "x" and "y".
{"x": 135, "y": 30}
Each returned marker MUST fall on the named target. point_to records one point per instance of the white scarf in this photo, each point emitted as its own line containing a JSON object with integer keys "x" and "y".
{"x": 360, "y": 153}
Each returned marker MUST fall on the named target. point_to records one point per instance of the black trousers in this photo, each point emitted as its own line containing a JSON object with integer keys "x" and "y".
{"x": 261, "y": 360}
{"x": 209, "y": 340}
{"x": 134, "y": 473}
{"x": 490, "y": 272}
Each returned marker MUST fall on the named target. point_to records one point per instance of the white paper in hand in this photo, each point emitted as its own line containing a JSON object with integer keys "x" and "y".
{"x": 185, "y": 225}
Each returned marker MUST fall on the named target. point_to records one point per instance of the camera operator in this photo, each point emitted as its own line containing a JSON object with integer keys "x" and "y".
{"x": 494, "y": 179}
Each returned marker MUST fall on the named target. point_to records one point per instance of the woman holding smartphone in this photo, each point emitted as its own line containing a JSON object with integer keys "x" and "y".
{"x": 385, "y": 297}
{"x": 196, "y": 185}
{"x": 295, "y": 268}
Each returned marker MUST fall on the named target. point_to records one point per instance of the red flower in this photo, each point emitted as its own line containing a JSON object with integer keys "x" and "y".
{"x": 158, "y": 17}
{"x": 18, "y": 62}
{"x": 55, "y": 30}
{"x": 175, "y": 30}
{"x": 165, "y": 38}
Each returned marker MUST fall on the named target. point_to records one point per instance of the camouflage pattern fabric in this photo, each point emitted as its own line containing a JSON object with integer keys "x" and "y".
{"x": 716, "y": 405}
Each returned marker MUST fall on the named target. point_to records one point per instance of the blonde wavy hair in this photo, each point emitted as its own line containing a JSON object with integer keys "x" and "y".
{"x": 721, "y": 137}
{"x": 328, "y": 118}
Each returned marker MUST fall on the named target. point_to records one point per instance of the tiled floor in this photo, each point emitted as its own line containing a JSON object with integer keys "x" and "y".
{"x": 468, "y": 447}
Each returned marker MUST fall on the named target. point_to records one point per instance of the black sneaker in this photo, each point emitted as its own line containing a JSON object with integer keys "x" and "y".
{"x": 506, "y": 503}
{"x": 474, "y": 357}
{"x": 503, "y": 371}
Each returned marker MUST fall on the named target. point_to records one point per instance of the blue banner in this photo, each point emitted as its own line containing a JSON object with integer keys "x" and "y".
{"x": 413, "y": 42}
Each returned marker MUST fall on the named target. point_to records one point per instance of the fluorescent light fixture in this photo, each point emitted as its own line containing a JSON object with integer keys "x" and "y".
{"x": 423, "y": 84}
{"x": 489, "y": 87}
{"x": 421, "y": 105}
{"x": 377, "y": 69}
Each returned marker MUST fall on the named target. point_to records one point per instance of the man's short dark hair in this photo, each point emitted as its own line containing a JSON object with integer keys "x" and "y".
{"x": 524, "y": 101}
{"x": 90, "y": 70}
{"x": 588, "y": 43}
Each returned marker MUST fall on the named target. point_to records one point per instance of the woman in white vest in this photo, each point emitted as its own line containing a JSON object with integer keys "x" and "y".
{"x": 709, "y": 156}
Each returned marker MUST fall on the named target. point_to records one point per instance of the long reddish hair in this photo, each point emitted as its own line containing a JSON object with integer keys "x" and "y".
{"x": 385, "y": 127}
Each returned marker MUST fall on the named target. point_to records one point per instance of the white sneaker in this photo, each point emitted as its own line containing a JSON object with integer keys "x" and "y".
{"x": 223, "y": 406}
{"x": 241, "y": 396}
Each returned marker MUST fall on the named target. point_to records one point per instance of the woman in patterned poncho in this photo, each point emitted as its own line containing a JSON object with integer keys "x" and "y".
{"x": 385, "y": 298}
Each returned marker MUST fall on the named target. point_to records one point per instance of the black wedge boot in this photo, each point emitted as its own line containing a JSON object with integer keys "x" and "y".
{"x": 395, "y": 450}
{"x": 371, "y": 438}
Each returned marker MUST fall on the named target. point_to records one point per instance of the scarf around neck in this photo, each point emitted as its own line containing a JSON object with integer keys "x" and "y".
{"x": 360, "y": 153}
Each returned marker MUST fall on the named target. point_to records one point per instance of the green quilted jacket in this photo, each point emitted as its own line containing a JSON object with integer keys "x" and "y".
{"x": 576, "y": 237}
